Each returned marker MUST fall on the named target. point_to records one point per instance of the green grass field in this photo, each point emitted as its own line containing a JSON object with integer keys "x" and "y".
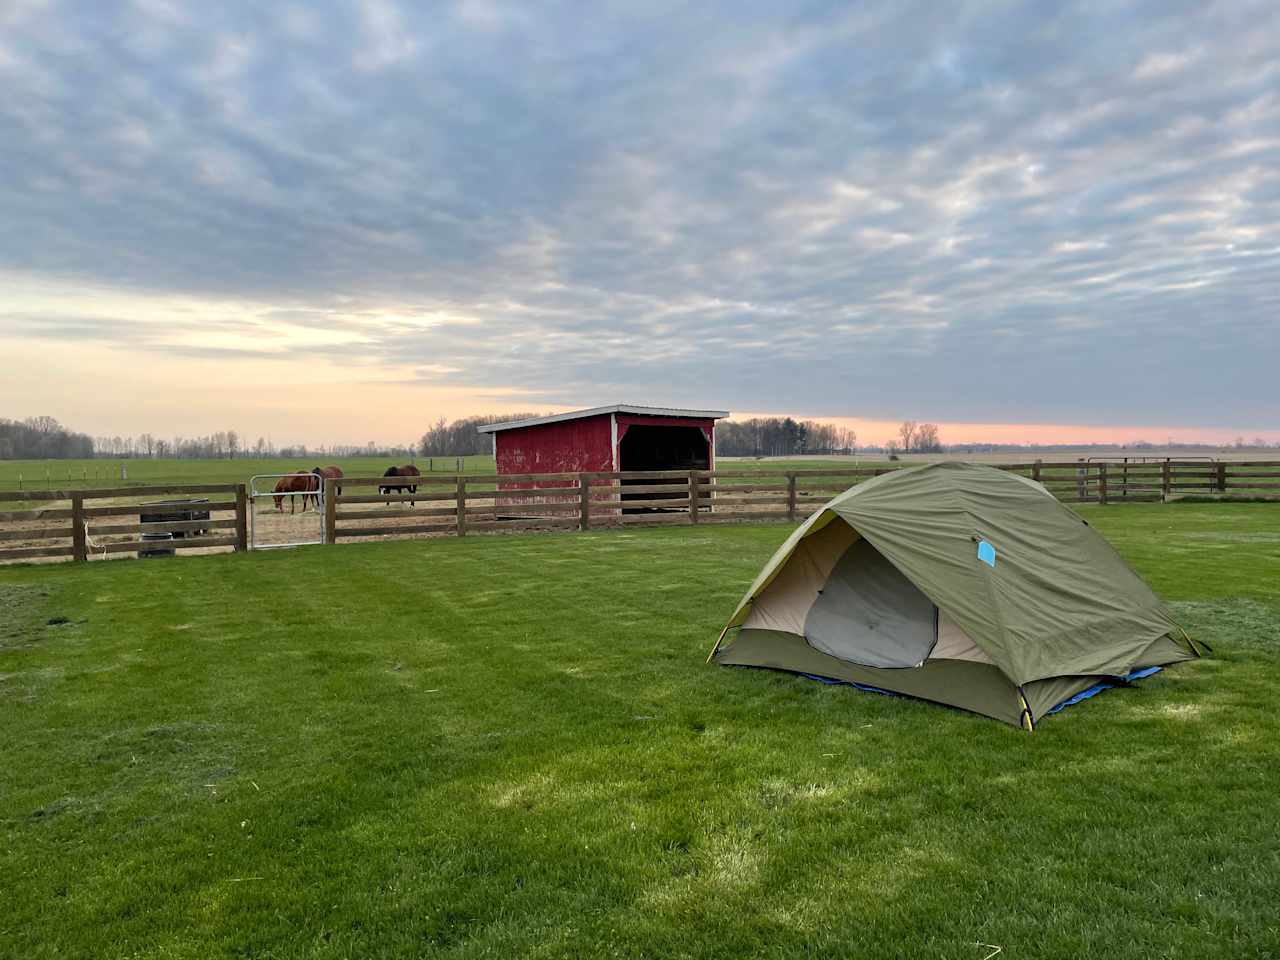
{"x": 89, "y": 474}
{"x": 79, "y": 474}
{"x": 511, "y": 747}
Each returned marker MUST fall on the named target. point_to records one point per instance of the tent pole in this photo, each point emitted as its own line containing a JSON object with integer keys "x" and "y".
{"x": 1029, "y": 721}
{"x": 719, "y": 640}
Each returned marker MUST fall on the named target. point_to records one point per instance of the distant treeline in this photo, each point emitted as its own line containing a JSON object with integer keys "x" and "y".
{"x": 781, "y": 437}
{"x": 225, "y": 444}
{"x": 460, "y": 438}
{"x": 44, "y": 438}
{"x": 41, "y": 438}
{"x": 228, "y": 445}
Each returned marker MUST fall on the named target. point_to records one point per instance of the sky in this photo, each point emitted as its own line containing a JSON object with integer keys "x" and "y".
{"x": 334, "y": 222}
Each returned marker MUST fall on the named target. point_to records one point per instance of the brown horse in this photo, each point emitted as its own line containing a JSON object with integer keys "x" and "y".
{"x": 406, "y": 471}
{"x": 326, "y": 474}
{"x": 295, "y": 483}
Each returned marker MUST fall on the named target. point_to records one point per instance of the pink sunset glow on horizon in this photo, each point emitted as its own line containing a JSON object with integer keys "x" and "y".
{"x": 878, "y": 432}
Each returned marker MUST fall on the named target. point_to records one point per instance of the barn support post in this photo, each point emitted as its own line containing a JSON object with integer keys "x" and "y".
{"x": 330, "y": 512}
{"x": 242, "y": 518}
{"x": 791, "y": 498}
{"x": 693, "y": 496}
{"x": 1165, "y": 486}
{"x": 584, "y": 501}
{"x": 462, "y": 506}
{"x": 79, "y": 551}
{"x": 1102, "y": 484}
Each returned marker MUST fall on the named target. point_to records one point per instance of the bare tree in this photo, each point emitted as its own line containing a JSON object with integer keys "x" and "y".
{"x": 927, "y": 438}
{"x": 43, "y": 424}
{"x": 907, "y": 434}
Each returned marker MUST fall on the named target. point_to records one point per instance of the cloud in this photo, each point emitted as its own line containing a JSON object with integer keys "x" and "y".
{"x": 975, "y": 211}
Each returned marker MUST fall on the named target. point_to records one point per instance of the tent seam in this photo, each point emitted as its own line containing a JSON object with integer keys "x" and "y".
{"x": 996, "y": 608}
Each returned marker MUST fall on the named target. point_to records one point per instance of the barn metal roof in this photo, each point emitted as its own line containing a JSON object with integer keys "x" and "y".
{"x": 612, "y": 408}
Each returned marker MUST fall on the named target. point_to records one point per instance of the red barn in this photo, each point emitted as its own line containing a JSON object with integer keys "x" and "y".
{"x": 607, "y": 439}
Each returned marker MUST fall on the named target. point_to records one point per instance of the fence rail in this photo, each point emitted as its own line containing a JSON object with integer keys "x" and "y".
{"x": 79, "y": 539}
{"x": 459, "y": 504}
{"x": 38, "y": 524}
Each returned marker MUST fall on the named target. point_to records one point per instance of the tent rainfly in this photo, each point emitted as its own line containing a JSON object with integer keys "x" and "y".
{"x": 957, "y": 583}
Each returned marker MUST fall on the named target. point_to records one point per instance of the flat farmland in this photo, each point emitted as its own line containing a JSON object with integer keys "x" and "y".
{"x": 104, "y": 473}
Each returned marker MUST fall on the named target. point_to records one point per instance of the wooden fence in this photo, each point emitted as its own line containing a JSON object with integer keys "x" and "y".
{"x": 457, "y": 505}
{"x": 1162, "y": 480}
{"x": 82, "y": 523}
{"x": 581, "y": 501}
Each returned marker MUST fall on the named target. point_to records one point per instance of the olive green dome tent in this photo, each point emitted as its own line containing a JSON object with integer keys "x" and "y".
{"x": 957, "y": 583}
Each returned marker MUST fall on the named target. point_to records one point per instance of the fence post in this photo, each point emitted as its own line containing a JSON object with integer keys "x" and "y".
{"x": 1164, "y": 481}
{"x": 462, "y": 506}
{"x": 791, "y": 497}
{"x": 242, "y": 518}
{"x": 1222, "y": 476}
{"x": 693, "y": 496}
{"x": 79, "y": 551}
{"x": 584, "y": 501}
{"x": 1035, "y": 471}
{"x": 1082, "y": 478}
{"x": 1102, "y": 484}
{"x": 330, "y": 512}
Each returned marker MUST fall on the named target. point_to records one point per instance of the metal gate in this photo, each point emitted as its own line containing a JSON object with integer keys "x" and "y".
{"x": 284, "y": 520}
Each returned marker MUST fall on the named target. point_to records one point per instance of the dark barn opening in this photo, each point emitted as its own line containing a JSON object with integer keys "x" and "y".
{"x": 661, "y": 448}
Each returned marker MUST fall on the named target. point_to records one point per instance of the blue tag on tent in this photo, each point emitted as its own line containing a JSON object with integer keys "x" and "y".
{"x": 986, "y": 553}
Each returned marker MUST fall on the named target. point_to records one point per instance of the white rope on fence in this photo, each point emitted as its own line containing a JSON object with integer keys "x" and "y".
{"x": 88, "y": 541}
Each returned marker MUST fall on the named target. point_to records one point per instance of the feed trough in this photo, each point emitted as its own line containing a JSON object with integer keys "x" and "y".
{"x": 170, "y": 511}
